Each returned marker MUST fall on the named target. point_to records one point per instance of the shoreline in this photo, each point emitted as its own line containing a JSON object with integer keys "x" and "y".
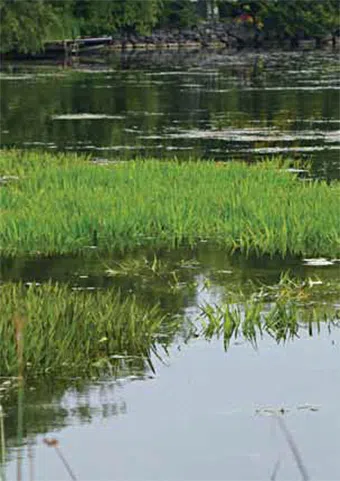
{"x": 224, "y": 36}
{"x": 141, "y": 48}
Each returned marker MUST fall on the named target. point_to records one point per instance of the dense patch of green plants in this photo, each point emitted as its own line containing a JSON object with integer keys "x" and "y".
{"x": 51, "y": 328}
{"x": 27, "y": 24}
{"x": 58, "y": 204}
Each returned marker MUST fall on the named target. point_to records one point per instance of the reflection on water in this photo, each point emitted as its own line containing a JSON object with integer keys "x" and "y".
{"x": 205, "y": 416}
{"x": 174, "y": 279}
{"x": 200, "y": 405}
{"x": 246, "y": 105}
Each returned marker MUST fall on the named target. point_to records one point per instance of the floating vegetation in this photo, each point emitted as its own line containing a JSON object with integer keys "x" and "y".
{"x": 65, "y": 331}
{"x": 281, "y": 311}
{"x": 62, "y": 203}
{"x": 141, "y": 267}
{"x": 321, "y": 262}
{"x": 253, "y": 135}
{"x": 85, "y": 116}
{"x": 161, "y": 278}
{"x": 280, "y": 150}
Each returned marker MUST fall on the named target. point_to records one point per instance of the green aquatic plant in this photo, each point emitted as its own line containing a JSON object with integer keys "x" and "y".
{"x": 62, "y": 330}
{"x": 281, "y": 311}
{"x": 139, "y": 267}
{"x": 66, "y": 204}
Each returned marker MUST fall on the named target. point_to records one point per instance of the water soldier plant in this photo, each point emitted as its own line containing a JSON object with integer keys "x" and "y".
{"x": 77, "y": 332}
{"x": 58, "y": 204}
{"x": 52, "y": 331}
{"x": 282, "y": 311}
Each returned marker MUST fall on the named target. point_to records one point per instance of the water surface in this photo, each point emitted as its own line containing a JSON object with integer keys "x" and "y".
{"x": 196, "y": 412}
{"x": 199, "y": 412}
{"x": 219, "y": 105}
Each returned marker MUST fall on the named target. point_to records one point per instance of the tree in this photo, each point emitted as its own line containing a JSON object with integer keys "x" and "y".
{"x": 108, "y": 16}
{"x": 178, "y": 13}
{"x": 292, "y": 19}
{"x": 25, "y": 25}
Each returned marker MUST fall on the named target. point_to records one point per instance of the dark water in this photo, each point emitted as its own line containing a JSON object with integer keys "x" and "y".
{"x": 201, "y": 413}
{"x": 208, "y": 105}
{"x": 183, "y": 268}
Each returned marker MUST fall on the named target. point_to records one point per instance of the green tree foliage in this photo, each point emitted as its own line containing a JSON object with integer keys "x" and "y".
{"x": 27, "y": 24}
{"x": 108, "y": 16}
{"x": 286, "y": 18}
{"x": 178, "y": 13}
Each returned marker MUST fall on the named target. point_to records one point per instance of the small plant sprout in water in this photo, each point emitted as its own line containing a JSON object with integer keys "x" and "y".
{"x": 280, "y": 311}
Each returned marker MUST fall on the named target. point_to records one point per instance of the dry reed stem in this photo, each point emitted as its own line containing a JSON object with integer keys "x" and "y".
{"x": 54, "y": 443}
{"x": 3, "y": 445}
{"x": 293, "y": 447}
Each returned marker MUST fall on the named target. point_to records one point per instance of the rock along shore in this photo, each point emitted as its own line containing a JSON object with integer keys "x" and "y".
{"x": 219, "y": 35}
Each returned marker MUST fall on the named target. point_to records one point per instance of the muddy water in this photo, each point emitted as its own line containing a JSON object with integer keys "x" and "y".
{"x": 209, "y": 105}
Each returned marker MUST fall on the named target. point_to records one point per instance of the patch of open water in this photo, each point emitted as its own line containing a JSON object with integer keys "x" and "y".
{"x": 204, "y": 414}
{"x": 100, "y": 105}
{"x": 201, "y": 413}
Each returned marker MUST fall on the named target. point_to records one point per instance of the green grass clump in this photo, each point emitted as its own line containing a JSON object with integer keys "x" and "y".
{"x": 62, "y": 203}
{"x": 51, "y": 328}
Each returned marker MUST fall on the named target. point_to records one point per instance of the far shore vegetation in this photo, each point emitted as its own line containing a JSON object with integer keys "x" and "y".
{"x": 26, "y": 25}
{"x": 65, "y": 204}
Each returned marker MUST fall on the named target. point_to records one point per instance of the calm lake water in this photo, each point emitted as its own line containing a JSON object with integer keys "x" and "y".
{"x": 201, "y": 413}
{"x": 207, "y": 105}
